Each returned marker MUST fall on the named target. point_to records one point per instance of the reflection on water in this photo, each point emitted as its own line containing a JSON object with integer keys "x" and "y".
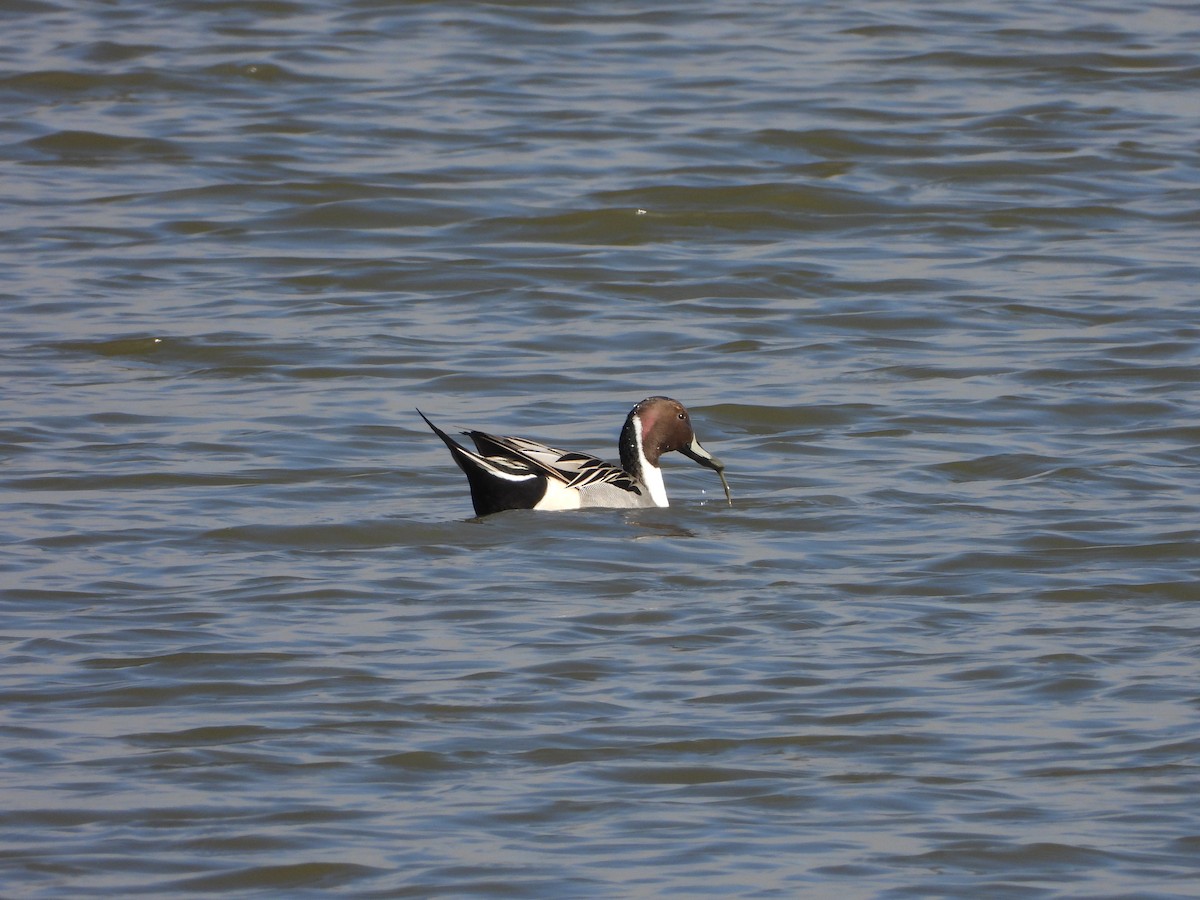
{"x": 925, "y": 279}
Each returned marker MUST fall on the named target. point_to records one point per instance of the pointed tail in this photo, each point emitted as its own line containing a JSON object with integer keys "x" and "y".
{"x": 461, "y": 454}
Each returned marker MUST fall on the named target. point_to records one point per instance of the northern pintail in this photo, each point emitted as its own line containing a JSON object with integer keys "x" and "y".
{"x": 515, "y": 473}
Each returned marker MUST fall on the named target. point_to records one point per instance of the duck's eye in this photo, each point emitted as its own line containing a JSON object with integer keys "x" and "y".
{"x": 683, "y": 417}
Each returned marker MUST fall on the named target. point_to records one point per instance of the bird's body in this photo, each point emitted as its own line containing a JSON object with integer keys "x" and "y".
{"x": 517, "y": 473}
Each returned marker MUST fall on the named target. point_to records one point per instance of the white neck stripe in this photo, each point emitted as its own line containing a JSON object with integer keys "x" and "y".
{"x": 652, "y": 476}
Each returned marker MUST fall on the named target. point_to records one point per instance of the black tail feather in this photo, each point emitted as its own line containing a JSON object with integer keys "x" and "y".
{"x": 490, "y": 491}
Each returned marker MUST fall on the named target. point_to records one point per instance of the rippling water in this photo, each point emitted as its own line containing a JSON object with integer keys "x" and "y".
{"x": 924, "y": 273}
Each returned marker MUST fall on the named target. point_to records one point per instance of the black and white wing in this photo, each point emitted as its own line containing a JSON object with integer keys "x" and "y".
{"x": 573, "y": 470}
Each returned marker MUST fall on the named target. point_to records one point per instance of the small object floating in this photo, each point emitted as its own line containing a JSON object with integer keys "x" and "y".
{"x": 515, "y": 473}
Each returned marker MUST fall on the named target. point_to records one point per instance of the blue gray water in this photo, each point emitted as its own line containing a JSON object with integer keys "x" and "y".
{"x": 926, "y": 275}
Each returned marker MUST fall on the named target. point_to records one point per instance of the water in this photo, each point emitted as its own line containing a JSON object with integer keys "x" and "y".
{"x": 924, "y": 274}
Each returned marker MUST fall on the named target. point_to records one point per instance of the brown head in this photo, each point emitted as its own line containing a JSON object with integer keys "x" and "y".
{"x": 659, "y": 425}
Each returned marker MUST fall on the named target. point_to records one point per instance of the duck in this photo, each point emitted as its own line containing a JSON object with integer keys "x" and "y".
{"x": 517, "y": 473}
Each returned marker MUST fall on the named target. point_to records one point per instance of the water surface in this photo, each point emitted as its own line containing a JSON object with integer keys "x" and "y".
{"x": 926, "y": 277}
